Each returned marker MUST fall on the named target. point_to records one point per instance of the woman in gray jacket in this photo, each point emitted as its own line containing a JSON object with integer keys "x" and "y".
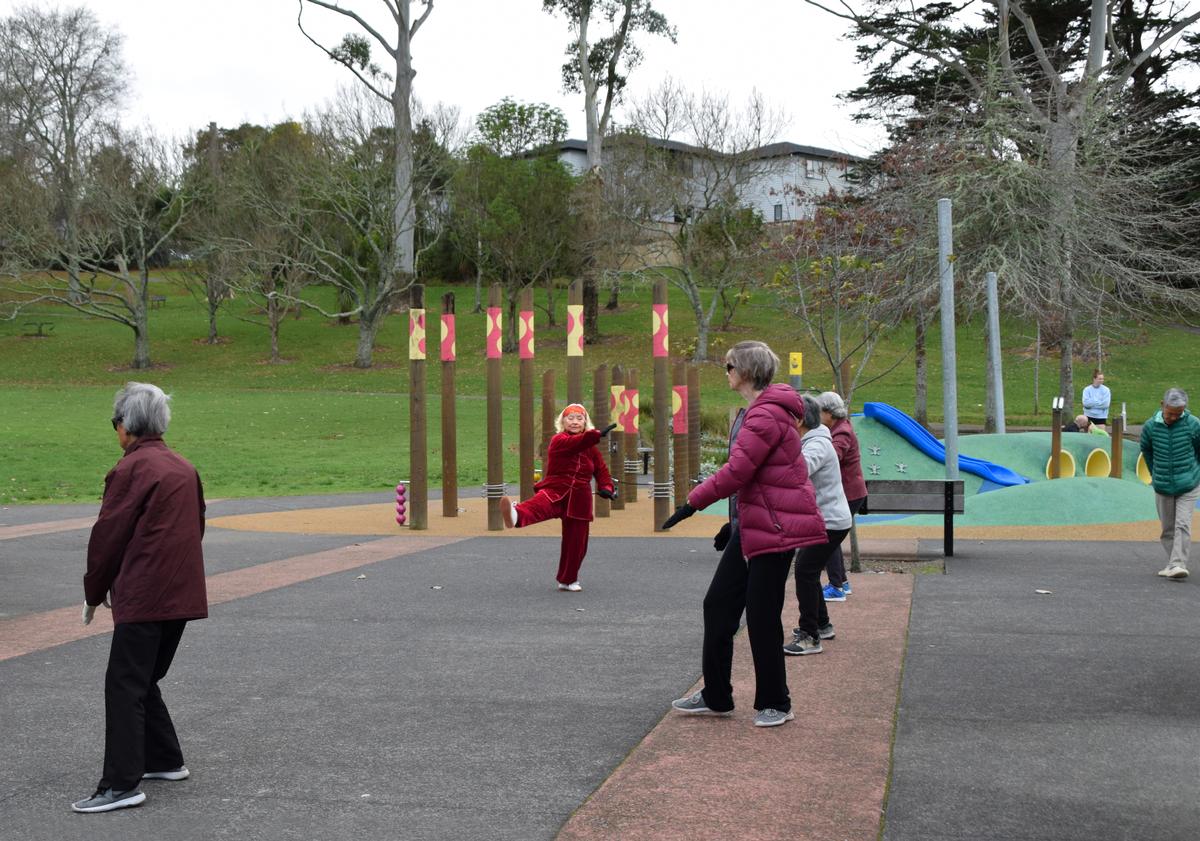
{"x": 826, "y": 476}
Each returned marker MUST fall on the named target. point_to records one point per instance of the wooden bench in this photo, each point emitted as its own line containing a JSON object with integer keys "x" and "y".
{"x": 157, "y": 301}
{"x": 917, "y": 496}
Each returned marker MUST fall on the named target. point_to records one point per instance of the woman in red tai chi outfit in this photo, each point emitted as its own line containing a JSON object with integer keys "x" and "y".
{"x": 566, "y": 490}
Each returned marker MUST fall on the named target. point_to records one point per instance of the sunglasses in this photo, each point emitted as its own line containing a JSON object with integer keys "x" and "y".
{"x": 116, "y": 422}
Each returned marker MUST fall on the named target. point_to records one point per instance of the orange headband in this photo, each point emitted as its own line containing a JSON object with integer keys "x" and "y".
{"x": 576, "y": 408}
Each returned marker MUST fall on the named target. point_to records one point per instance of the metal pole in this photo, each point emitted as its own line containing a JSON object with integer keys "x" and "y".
{"x": 418, "y": 488}
{"x": 949, "y": 355}
{"x": 449, "y": 417}
{"x": 995, "y": 378}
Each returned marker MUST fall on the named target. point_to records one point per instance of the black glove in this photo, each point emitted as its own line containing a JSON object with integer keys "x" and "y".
{"x": 722, "y": 538}
{"x": 681, "y": 513}
{"x": 604, "y": 432}
{"x": 606, "y": 493}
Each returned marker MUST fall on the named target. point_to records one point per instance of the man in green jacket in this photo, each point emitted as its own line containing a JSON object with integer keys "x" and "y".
{"x": 1171, "y": 447}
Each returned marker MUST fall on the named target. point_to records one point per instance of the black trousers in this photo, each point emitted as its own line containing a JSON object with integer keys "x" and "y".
{"x": 809, "y": 562}
{"x": 835, "y": 567}
{"x": 138, "y": 733}
{"x": 758, "y": 587}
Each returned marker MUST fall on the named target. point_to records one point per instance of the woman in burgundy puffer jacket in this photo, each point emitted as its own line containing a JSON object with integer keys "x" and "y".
{"x": 773, "y": 511}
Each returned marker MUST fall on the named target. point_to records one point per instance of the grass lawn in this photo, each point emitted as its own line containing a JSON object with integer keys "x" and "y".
{"x": 315, "y": 424}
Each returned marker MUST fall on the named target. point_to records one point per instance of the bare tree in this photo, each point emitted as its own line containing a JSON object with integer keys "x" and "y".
{"x": 354, "y": 53}
{"x": 61, "y": 80}
{"x": 132, "y": 204}
{"x": 1062, "y": 102}
{"x": 687, "y": 199}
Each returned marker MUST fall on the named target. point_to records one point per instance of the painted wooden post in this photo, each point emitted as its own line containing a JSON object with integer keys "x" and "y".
{"x": 494, "y": 489}
{"x": 796, "y": 370}
{"x": 662, "y": 489}
{"x": 600, "y": 397}
{"x": 616, "y": 452}
{"x": 549, "y": 413}
{"x": 418, "y": 486}
{"x": 449, "y": 417}
{"x": 679, "y": 428}
{"x": 1118, "y": 430}
{"x": 633, "y": 460}
{"x": 575, "y": 343}
{"x": 1056, "y": 424}
{"x": 525, "y": 352}
{"x": 693, "y": 422}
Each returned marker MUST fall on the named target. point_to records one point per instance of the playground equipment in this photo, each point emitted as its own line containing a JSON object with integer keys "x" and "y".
{"x": 919, "y": 437}
{"x": 1066, "y": 465}
{"x": 401, "y": 505}
{"x": 1098, "y": 464}
{"x": 1143, "y": 470}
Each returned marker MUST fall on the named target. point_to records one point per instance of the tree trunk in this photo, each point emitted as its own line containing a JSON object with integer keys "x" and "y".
{"x": 1064, "y": 143}
{"x": 614, "y": 293}
{"x": 273, "y": 319}
{"x": 551, "y": 321}
{"x": 511, "y": 323}
{"x": 921, "y": 399}
{"x": 368, "y": 326}
{"x": 591, "y": 309}
{"x": 403, "y": 216}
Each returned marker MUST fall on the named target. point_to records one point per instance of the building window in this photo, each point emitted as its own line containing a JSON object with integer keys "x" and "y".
{"x": 810, "y": 169}
{"x": 778, "y": 213}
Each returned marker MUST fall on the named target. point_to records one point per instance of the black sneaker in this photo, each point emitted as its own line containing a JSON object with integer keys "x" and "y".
{"x": 803, "y": 644}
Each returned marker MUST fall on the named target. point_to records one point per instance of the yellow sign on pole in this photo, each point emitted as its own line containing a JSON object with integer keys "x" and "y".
{"x": 795, "y": 364}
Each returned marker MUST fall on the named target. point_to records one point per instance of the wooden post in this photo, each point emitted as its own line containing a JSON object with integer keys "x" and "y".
{"x": 633, "y": 459}
{"x": 616, "y": 452}
{"x": 526, "y": 351}
{"x": 575, "y": 343}
{"x": 693, "y": 422}
{"x": 679, "y": 428}
{"x": 449, "y": 418}
{"x": 1055, "y": 436}
{"x": 1118, "y": 431}
{"x": 600, "y": 397}
{"x": 495, "y": 411}
{"x": 418, "y": 484}
{"x": 662, "y": 488}
{"x": 549, "y": 413}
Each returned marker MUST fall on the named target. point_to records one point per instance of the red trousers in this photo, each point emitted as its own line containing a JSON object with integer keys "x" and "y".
{"x": 540, "y": 507}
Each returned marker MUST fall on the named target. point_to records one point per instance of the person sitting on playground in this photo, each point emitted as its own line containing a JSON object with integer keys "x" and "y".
{"x": 1080, "y": 424}
{"x": 1097, "y": 428}
{"x": 565, "y": 491}
{"x": 1096, "y": 399}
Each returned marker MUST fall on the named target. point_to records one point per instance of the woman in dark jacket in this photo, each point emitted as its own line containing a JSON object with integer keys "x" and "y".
{"x": 144, "y": 558}
{"x": 773, "y": 511}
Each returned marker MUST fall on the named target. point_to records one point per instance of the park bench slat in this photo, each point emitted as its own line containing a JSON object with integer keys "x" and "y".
{"x": 918, "y": 496}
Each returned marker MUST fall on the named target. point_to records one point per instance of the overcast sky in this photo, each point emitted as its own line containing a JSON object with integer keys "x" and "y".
{"x": 237, "y": 61}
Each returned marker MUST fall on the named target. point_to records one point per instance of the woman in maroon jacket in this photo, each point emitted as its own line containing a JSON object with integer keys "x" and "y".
{"x": 773, "y": 511}
{"x": 572, "y": 461}
{"x": 845, "y": 442}
{"x": 144, "y": 559}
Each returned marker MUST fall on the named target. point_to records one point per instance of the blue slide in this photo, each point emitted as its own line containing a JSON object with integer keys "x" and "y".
{"x": 919, "y": 437}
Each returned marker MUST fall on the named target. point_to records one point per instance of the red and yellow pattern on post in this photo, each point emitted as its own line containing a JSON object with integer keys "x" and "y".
{"x": 659, "y": 326}
{"x": 617, "y": 408}
{"x": 525, "y": 335}
{"x": 574, "y": 329}
{"x": 679, "y": 409}
{"x": 449, "y": 348}
{"x": 416, "y": 334}
{"x": 629, "y": 407}
{"x": 493, "y": 332}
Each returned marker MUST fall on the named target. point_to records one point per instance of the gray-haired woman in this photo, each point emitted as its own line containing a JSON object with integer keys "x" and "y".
{"x": 144, "y": 557}
{"x": 834, "y": 416}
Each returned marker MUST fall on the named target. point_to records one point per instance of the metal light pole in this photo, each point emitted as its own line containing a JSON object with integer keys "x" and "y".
{"x": 949, "y": 372}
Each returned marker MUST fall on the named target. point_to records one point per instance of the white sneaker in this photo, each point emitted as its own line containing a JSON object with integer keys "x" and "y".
{"x": 1177, "y": 572}
{"x": 563, "y": 587}
{"x": 575, "y": 586}
{"x": 176, "y": 774}
{"x": 508, "y": 512}
{"x": 1165, "y": 571}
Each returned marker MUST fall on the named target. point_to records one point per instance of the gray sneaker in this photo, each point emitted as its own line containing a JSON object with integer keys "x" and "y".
{"x": 107, "y": 800}
{"x": 803, "y": 644}
{"x": 694, "y": 705}
{"x": 175, "y": 774}
{"x": 772, "y": 718}
{"x": 826, "y": 631}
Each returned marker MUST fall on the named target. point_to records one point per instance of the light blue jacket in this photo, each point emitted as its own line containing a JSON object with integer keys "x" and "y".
{"x": 1096, "y": 400}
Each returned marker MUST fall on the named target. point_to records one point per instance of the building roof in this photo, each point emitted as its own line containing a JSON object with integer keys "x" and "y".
{"x": 771, "y": 150}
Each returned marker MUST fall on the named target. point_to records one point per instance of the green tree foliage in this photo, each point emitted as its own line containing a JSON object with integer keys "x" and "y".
{"x": 511, "y": 128}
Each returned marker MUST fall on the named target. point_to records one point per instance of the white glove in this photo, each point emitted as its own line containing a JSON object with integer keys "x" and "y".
{"x": 88, "y": 611}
